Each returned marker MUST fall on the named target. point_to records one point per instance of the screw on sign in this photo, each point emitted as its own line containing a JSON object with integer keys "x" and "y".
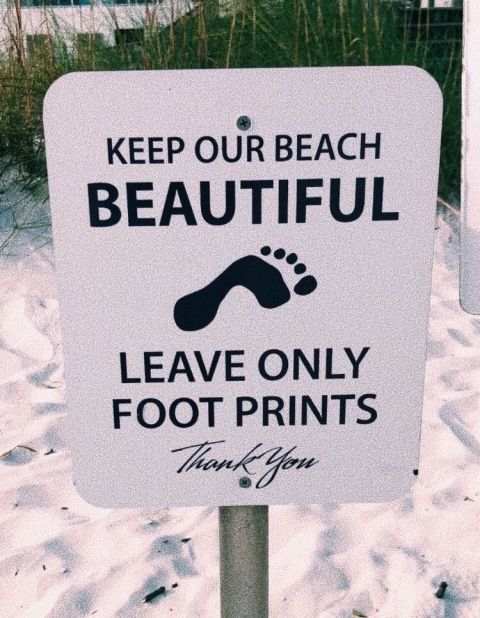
{"x": 244, "y": 123}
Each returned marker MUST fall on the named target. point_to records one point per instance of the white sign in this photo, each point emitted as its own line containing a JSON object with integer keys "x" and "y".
{"x": 244, "y": 263}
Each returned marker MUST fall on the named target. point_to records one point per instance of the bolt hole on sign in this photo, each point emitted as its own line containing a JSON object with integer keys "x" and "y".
{"x": 244, "y": 266}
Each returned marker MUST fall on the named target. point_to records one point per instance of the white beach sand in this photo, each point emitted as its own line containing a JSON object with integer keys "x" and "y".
{"x": 60, "y": 557}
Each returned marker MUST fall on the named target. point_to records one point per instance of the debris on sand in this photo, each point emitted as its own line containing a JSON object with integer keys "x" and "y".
{"x": 441, "y": 590}
{"x": 153, "y": 595}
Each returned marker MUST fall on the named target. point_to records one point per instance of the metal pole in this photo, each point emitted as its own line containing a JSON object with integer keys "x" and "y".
{"x": 244, "y": 561}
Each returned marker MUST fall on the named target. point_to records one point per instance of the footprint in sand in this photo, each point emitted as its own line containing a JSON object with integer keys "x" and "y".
{"x": 19, "y": 333}
{"x": 198, "y": 309}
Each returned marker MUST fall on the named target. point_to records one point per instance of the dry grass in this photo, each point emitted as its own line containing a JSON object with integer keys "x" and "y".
{"x": 257, "y": 33}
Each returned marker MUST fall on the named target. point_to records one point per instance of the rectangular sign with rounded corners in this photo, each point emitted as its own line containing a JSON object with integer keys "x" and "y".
{"x": 244, "y": 266}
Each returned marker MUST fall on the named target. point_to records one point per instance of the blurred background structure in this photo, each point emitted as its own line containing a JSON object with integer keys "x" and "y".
{"x": 41, "y": 40}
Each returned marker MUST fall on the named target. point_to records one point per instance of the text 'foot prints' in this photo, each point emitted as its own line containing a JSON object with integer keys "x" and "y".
{"x": 198, "y": 309}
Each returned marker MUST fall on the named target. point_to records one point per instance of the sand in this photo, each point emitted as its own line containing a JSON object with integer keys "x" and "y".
{"x": 61, "y": 557}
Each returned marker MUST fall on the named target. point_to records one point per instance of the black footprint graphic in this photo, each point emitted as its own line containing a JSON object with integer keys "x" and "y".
{"x": 197, "y": 310}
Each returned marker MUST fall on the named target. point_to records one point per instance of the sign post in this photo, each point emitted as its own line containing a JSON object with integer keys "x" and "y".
{"x": 244, "y": 267}
{"x": 244, "y": 561}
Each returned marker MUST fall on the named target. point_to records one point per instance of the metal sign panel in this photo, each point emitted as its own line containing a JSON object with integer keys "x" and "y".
{"x": 470, "y": 212}
{"x": 244, "y": 265}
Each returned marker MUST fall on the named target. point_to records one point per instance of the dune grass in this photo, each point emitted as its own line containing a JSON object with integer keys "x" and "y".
{"x": 254, "y": 33}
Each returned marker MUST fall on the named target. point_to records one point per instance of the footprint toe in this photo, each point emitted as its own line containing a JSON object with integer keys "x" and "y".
{"x": 265, "y": 250}
{"x": 305, "y": 286}
{"x": 300, "y": 269}
{"x": 279, "y": 254}
{"x": 292, "y": 258}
